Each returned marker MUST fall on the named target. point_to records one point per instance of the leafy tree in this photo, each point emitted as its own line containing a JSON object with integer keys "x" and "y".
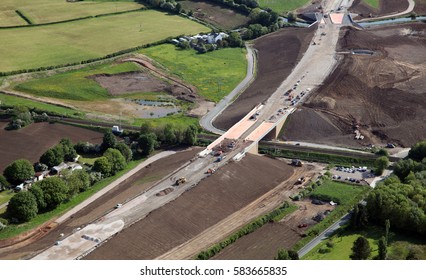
{"x": 169, "y": 134}
{"x": 4, "y": 184}
{"x": 235, "y": 40}
{"x": 78, "y": 181}
{"x": 19, "y": 171}
{"x": 190, "y": 136}
{"x": 146, "y": 128}
{"x": 103, "y": 165}
{"x": 54, "y": 156}
{"x": 184, "y": 45}
{"x": 383, "y": 249}
{"x": 109, "y": 141}
{"x": 293, "y": 255}
{"x": 38, "y": 167}
{"x": 147, "y": 143}
{"x": 68, "y": 149}
{"x": 39, "y": 196}
{"x": 282, "y": 254}
{"x": 55, "y": 191}
{"x": 381, "y": 164}
{"x": 22, "y": 206}
{"x": 118, "y": 162}
{"x": 291, "y": 17}
{"x": 418, "y": 151}
{"x": 387, "y": 228}
{"x": 382, "y": 152}
{"x": 403, "y": 167}
{"x": 359, "y": 218}
{"x": 361, "y": 249}
{"x": 125, "y": 151}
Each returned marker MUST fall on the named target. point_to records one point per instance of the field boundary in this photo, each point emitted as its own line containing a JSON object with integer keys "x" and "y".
{"x": 24, "y": 17}
{"x": 31, "y": 24}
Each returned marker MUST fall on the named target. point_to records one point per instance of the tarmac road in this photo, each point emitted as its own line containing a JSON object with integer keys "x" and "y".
{"x": 324, "y": 235}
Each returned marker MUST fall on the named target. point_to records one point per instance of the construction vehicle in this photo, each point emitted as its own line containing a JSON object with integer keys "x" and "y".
{"x": 210, "y": 171}
{"x": 179, "y": 181}
{"x": 296, "y": 162}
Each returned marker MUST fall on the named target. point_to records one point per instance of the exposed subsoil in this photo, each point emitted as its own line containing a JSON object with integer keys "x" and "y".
{"x": 223, "y": 17}
{"x": 129, "y": 82}
{"x": 383, "y": 95}
{"x": 386, "y": 7}
{"x": 278, "y": 53}
{"x": 32, "y": 141}
{"x": 264, "y": 243}
{"x": 124, "y": 191}
{"x": 223, "y": 193}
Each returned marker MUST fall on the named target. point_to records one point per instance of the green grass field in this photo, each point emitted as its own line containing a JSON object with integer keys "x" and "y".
{"x": 338, "y": 192}
{"x": 45, "y": 11}
{"x": 373, "y": 3}
{"x": 10, "y": 100}
{"x": 215, "y": 74}
{"x": 343, "y": 242}
{"x": 5, "y": 196}
{"x": 72, "y": 42}
{"x": 282, "y": 6}
{"x": 75, "y": 85}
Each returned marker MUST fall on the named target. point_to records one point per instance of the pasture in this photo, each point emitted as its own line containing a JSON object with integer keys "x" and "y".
{"x": 46, "y": 11}
{"x": 281, "y": 6}
{"x": 72, "y": 42}
{"x": 215, "y": 74}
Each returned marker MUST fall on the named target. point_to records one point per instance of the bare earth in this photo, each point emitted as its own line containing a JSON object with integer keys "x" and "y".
{"x": 123, "y": 192}
{"x": 32, "y": 141}
{"x": 278, "y": 53}
{"x": 383, "y": 94}
{"x": 215, "y": 198}
{"x": 386, "y": 7}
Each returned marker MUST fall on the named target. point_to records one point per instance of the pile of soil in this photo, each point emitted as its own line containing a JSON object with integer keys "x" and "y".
{"x": 382, "y": 95}
{"x": 164, "y": 192}
{"x": 386, "y": 7}
{"x": 278, "y": 53}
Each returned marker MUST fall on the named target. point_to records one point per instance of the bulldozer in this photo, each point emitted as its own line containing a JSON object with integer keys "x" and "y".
{"x": 179, "y": 181}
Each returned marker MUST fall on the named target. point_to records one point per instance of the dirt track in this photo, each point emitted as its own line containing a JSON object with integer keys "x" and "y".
{"x": 278, "y": 53}
{"x": 382, "y": 93}
{"x": 223, "y": 193}
{"x": 32, "y": 141}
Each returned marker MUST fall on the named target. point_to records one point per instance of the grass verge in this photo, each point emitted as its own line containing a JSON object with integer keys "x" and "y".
{"x": 318, "y": 157}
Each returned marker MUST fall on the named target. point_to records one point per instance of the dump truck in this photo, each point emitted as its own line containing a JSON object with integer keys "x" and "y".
{"x": 179, "y": 181}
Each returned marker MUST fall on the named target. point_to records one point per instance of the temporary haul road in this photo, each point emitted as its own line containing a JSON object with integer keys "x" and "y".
{"x": 318, "y": 61}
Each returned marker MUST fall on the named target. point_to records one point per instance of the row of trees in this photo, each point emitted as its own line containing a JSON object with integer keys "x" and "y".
{"x": 22, "y": 116}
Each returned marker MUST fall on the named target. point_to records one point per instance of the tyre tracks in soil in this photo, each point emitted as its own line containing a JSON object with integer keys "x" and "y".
{"x": 210, "y": 236}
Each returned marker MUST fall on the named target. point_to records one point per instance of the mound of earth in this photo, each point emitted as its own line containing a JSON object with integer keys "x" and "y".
{"x": 386, "y": 7}
{"x": 382, "y": 95}
{"x": 278, "y": 53}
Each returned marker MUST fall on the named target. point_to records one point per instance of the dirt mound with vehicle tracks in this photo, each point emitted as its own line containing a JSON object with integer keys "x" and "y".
{"x": 381, "y": 95}
{"x": 386, "y": 7}
{"x": 278, "y": 53}
{"x": 228, "y": 190}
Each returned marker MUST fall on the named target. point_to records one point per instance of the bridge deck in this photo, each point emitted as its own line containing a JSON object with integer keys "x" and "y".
{"x": 261, "y": 131}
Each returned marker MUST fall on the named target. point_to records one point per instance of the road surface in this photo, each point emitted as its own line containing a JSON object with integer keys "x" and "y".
{"x": 207, "y": 121}
{"x": 324, "y": 235}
